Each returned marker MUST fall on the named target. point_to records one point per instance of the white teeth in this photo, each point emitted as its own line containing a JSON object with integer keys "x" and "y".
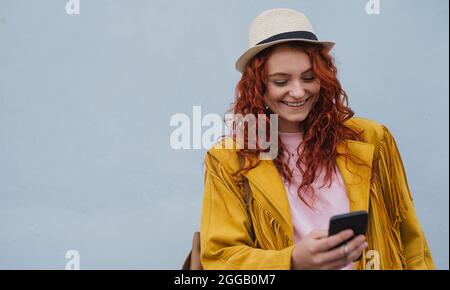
{"x": 298, "y": 104}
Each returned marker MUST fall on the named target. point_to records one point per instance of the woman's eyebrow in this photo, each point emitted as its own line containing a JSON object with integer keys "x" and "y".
{"x": 279, "y": 74}
{"x": 286, "y": 74}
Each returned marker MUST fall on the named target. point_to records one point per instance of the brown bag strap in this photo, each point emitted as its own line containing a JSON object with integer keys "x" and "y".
{"x": 193, "y": 261}
{"x": 247, "y": 199}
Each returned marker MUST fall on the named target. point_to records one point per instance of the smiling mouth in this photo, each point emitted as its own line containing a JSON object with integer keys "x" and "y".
{"x": 296, "y": 104}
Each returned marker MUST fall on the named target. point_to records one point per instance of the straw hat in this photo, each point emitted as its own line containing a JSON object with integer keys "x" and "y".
{"x": 276, "y": 26}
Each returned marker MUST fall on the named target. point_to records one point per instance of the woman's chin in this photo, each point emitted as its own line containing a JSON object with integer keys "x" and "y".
{"x": 291, "y": 119}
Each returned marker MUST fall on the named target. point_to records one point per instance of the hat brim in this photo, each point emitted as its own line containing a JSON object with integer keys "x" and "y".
{"x": 251, "y": 52}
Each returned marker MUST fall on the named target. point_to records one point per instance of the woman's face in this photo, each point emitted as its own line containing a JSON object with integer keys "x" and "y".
{"x": 291, "y": 87}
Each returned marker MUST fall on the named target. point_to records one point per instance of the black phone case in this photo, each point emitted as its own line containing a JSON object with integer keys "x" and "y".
{"x": 356, "y": 221}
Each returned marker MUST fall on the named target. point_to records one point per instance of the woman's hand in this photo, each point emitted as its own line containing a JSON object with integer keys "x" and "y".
{"x": 317, "y": 250}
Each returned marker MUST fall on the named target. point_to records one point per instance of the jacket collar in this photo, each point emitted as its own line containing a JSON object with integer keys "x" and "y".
{"x": 266, "y": 180}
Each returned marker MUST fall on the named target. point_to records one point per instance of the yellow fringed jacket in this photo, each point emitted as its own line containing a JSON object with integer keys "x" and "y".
{"x": 395, "y": 238}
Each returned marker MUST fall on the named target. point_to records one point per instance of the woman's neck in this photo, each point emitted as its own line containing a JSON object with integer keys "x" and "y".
{"x": 291, "y": 128}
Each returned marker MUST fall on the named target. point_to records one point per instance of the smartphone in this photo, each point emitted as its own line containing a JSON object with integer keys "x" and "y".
{"x": 356, "y": 221}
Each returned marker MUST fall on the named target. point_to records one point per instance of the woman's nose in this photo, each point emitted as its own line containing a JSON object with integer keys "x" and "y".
{"x": 297, "y": 91}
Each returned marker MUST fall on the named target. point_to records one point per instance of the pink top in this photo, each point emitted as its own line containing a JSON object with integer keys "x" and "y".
{"x": 328, "y": 201}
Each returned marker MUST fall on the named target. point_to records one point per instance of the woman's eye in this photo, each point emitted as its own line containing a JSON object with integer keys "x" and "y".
{"x": 280, "y": 83}
{"x": 308, "y": 79}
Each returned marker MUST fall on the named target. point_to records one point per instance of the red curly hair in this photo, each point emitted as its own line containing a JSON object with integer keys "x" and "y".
{"x": 323, "y": 128}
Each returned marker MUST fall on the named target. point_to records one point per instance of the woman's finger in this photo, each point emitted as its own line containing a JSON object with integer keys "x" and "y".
{"x": 338, "y": 254}
{"x": 343, "y": 262}
{"x": 356, "y": 253}
{"x": 331, "y": 242}
{"x": 318, "y": 234}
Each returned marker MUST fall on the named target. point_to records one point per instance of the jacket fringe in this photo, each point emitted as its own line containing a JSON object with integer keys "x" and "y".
{"x": 273, "y": 238}
{"x": 388, "y": 191}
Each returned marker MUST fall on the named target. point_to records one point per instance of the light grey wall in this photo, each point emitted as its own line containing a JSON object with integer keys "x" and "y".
{"x": 86, "y": 100}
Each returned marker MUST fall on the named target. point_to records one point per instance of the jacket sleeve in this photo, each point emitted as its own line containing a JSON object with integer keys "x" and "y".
{"x": 225, "y": 239}
{"x": 416, "y": 251}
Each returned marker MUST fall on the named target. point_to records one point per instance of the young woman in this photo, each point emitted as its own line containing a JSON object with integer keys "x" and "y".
{"x": 328, "y": 163}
